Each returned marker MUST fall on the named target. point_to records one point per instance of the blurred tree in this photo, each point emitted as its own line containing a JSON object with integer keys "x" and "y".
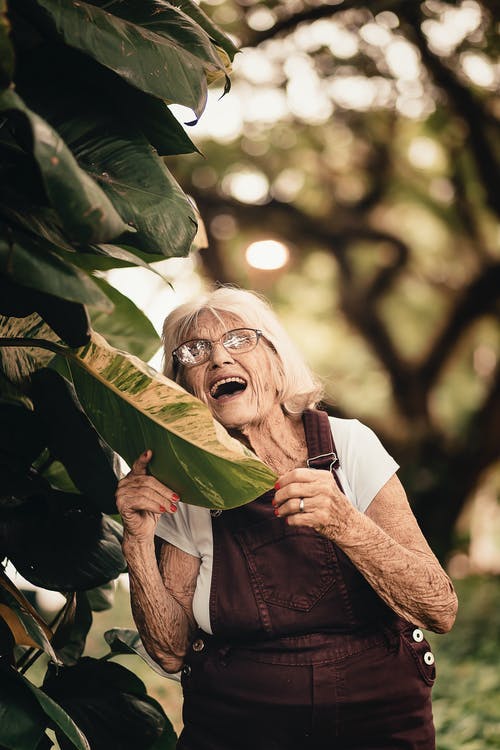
{"x": 367, "y": 142}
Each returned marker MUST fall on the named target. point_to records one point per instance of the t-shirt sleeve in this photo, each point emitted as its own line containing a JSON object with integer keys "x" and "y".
{"x": 175, "y": 529}
{"x": 366, "y": 463}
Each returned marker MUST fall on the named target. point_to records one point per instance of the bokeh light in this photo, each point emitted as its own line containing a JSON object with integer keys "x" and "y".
{"x": 267, "y": 255}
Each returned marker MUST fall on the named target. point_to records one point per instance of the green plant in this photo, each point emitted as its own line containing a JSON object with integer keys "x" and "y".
{"x": 84, "y": 187}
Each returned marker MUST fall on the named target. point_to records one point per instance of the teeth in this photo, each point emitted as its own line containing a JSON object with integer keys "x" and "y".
{"x": 216, "y": 385}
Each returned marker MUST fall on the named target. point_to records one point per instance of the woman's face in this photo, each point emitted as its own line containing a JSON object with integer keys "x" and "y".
{"x": 249, "y": 393}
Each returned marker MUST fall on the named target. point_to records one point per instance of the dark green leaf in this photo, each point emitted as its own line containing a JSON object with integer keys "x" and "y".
{"x": 138, "y": 182}
{"x": 112, "y": 147}
{"x": 195, "y": 12}
{"x": 128, "y": 641}
{"x": 57, "y": 476}
{"x": 101, "y": 598}
{"x": 59, "y": 718}
{"x": 153, "y": 45}
{"x": 68, "y": 319}
{"x": 71, "y": 634}
{"x": 29, "y": 261}
{"x": 22, "y": 721}
{"x": 22, "y": 436}
{"x": 85, "y": 211}
{"x": 126, "y": 327}
{"x": 106, "y": 257}
{"x": 64, "y": 546}
{"x": 167, "y": 740}
{"x": 95, "y": 693}
{"x": 73, "y": 440}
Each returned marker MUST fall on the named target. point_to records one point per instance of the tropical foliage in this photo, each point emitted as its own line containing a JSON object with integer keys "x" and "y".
{"x": 84, "y": 187}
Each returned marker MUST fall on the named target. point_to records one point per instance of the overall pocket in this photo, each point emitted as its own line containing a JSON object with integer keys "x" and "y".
{"x": 290, "y": 567}
{"x": 416, "y": 645}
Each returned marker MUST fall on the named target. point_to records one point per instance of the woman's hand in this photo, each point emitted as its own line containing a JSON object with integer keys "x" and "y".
{"x": 311, "y": 497}
{"x": 141, "y": 499}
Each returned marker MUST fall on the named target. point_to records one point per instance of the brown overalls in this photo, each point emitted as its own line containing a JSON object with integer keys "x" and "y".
{"x": 304, "y": 653}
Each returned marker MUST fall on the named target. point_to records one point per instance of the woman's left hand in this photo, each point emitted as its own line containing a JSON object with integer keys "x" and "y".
{"x": 311, "y": 497}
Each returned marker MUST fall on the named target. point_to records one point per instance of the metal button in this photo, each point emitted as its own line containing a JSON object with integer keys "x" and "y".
{"x": 417, "y": 635}
{"x": 186, "y": 670}
{"x": 198, "y": 645}
{"x": 429, "y": 658}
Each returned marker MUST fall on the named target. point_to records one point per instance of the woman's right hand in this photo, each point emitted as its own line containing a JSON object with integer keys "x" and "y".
{"x": 141, "y": 499}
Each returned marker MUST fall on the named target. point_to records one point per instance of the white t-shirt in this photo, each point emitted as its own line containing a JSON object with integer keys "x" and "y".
{"x": 365, "y": 466}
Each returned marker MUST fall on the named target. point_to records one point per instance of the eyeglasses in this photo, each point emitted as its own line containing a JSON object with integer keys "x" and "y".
{"x": 197, "y": 351}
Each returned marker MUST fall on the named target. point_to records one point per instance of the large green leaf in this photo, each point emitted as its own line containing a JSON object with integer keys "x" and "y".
{"x": 153, "y": 45}
{"x": 113, "y": 148}
{"x": 134, "y": 408}
{"x": 86, "y": 212}
{"x": 137, "y": 181}
{"x": 95, "y": 693}
{"x": 29, "y": 261}
{"x": 126, "y": 327}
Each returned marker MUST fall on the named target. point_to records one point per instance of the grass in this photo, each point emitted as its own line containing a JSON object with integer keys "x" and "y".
{"x": 467, "y": 689}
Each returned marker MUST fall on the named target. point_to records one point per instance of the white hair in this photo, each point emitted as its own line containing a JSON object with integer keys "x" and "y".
{"x": 298, "y": 388}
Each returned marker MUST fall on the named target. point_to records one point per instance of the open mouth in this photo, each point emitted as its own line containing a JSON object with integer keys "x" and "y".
{"x": 227, "y": 387}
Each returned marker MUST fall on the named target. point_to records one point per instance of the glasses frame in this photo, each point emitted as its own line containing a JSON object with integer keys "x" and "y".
{"x": 178, "y": 363}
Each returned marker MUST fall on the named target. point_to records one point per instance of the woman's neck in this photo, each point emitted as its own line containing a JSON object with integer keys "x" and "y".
{"x": 278, "y": 440}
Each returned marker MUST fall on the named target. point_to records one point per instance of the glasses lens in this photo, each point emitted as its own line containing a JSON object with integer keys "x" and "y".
{"x": 240, "y": 340}
{"x": 193, "y": 352}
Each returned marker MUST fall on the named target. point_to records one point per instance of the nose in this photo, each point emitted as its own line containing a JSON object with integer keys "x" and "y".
{"x": 219, "y": 355}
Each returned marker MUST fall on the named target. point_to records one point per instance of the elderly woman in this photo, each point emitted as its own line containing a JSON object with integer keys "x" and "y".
{"x": 296, "y": 619}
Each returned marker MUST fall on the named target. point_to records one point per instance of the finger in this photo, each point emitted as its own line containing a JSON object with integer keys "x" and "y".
{"x": 134, "y": 504}
{"x": 296, "y": 489}
{"x": 292, "y": 506}
{"x": 139, "y": 482}
{"x": 139, "y": 467}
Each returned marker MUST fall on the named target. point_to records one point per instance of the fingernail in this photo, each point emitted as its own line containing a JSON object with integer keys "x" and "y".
{"x": 175, "y": 497}
{"x": 162, "y": 508}
{"x": 276, "y": 512}
{"x": 277, "y": 486}
{"x": 145, "y": 453}
{"x": 274, "y": 504}
{"x": 173, "y": 507}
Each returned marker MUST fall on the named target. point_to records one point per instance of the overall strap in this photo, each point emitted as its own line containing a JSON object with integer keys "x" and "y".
{"x": 320, "y": 444}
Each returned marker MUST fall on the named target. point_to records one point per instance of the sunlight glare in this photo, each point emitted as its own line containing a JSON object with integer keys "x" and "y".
{"x": 403, "y": 60}
{"x": 453, "y": 26}
{"x": 267, "y": 255}
{"x": 260, "y": 18}
{"x": 246, "y": 185}
{"x": 478, "y": 69}
{"x": 425, "y": 153}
